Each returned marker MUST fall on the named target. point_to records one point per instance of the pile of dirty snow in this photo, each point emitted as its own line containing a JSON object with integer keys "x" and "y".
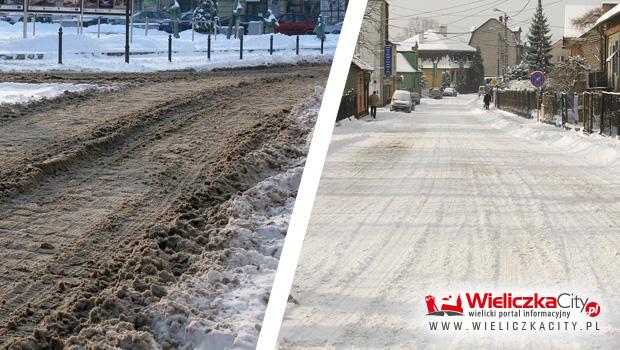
{"x": 224, "y": 308}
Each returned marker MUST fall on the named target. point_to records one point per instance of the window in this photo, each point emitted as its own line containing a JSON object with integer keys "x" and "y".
{"x": 300, "y": 19}
{"x": 287, "y": 19}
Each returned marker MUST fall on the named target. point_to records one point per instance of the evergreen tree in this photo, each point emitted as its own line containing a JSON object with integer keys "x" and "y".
{"x": 538, "y": 53}
{"x": 445, "y": 80}
{"x": 205, "y": 15}
{"x": 477, "y": 71}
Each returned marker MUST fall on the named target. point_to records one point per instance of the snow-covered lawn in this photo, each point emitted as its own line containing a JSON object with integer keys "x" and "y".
{"x": 88, "y": 52}
{"x": 25, "y": 92}
{"x": 452, "y": 199}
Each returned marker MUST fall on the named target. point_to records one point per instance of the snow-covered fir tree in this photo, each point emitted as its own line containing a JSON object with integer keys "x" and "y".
{"x": 446, "y": 81}
{"x": 539, "y": 48}
{"x": 205, "y": 15}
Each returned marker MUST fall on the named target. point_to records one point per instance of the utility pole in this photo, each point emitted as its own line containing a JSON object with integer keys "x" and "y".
{"x": 499, "y": 37}
{"x": 505, "y": 22}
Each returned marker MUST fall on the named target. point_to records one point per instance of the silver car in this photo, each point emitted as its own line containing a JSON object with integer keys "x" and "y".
{"x": 401, "y": 100}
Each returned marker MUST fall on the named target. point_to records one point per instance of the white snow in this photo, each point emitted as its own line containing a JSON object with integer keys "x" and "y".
{"x": 448, "y": 199}
{"x": 224, "y": 309}
{"x": 433, "y": 41}
{"x": 570, "y": 13}
{"x": 609, "y": 14}
{"x": 88, "y": 53}
{"x": 26, "y": 92}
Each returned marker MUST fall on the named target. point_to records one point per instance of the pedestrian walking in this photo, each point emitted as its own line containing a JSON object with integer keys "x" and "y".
{"x": 487, "y": 100}
{"x": 374, "y": 103}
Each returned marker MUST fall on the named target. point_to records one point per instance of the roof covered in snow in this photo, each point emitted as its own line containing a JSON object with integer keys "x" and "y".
{"x": 361, "y": 64}
{"x": 433, "y": 41}
{"x": 570, "y": 13}
{"x": 403, "y": 65}
{"x": 609, "y": 14}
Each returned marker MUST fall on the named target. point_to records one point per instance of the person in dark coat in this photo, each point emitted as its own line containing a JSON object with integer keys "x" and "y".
{"x": 374, "y": 103}
{"x": 487, "y": 100}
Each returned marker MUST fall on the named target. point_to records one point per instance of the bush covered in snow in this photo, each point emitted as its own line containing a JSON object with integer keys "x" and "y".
{"x": 566, "y": 74}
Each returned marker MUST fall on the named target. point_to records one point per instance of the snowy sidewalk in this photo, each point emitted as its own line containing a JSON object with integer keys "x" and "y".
{"x": 449, "y": 199}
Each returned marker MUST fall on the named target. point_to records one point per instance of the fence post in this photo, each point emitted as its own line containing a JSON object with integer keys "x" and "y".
{"x": 193, "y": 30}
{"x": 209, "y": 46}
{"x": 241, "y": 46}
{"x": 322, "y": 41}
{"x": 34, "y": 27}
{"x": 98, "y": 27}
{"x": 146, "y": 26}
{"x": 271, "y": 44}
{"x": 169, "y": 48}
{"x": 60, "y": 45}
{"x": 297, "y": 46}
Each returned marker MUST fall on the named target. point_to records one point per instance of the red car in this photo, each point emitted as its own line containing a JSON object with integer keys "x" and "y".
{"x": 295, "y": 24}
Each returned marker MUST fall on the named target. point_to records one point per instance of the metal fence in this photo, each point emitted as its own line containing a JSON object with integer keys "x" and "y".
{"x": 347, "y": 105}
{"x": 596, "y": 112}
{"x": 523, "y": 103}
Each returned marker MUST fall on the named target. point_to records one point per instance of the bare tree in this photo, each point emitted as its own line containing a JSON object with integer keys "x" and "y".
{"x": 420, "y": 24}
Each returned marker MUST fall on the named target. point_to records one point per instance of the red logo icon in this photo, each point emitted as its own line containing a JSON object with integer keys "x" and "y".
{"x": 593, "y": 309}
{"x": 446, "y": 308}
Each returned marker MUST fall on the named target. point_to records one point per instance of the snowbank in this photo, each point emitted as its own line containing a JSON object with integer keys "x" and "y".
{"x": 590, "y": 149}
{"x": 25, "y": 92}
{"x": 87, "y": 52}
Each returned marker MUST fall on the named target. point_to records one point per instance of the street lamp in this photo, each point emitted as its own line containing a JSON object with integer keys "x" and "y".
{"x": 505, "y": 39}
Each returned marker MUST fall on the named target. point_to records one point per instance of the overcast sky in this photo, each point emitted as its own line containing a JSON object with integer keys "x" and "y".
{"x": 460, "y": 15}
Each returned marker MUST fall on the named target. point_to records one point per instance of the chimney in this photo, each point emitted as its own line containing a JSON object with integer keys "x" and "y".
{"x": 443, "y": 30}
{"x": 608, "y": 5}
{"x": 420, "y": 37}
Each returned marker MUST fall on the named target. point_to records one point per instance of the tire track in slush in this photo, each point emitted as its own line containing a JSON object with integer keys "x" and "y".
{"x": 92, "y": 209}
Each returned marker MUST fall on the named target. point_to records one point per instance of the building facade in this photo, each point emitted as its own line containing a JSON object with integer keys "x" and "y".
{"x": 374, "y": 47}
{"x": 439, "y": 55}
{"x": 558, "y": 52}
{"x": 499, "y": 51}
{"x": 408, "y": 71}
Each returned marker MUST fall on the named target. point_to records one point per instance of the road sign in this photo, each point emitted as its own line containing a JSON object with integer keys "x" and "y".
{"x": 537, "y": 79}
{"x": 494, "y": 82}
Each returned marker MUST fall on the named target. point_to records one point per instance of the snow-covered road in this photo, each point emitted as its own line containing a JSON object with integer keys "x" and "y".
{"x": 449, "y": 200}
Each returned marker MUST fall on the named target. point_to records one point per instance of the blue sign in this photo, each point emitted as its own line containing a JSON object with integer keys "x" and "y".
{"x": 537, "y": 79}
{"x": 387, "y": 60}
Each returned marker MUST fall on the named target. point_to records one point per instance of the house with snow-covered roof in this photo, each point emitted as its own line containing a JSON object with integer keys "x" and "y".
{"x": 500, "y": 47}
{"x": 439, "y": 54}
{"x": 588, "y": 42}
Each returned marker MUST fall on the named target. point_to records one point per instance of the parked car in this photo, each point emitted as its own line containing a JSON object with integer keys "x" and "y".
{"x": 244, "y": 21}
{"x": 185, "y": 23}
{"x": 435, "y": 93}
{"x": 401, "y": 100}
{"x": 333, "y": 28}
{"x": 415, "y": 97}
{"x": 450, "y": 92}
{"x": 295, "y": 24}
{"x": 482, "y": 90}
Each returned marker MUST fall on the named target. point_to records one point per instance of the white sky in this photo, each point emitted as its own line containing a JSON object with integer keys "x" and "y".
{"x": 461, "y": 15}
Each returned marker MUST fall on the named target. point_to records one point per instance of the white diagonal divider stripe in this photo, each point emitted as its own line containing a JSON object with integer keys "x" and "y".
{"x": 311, "y": 176}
